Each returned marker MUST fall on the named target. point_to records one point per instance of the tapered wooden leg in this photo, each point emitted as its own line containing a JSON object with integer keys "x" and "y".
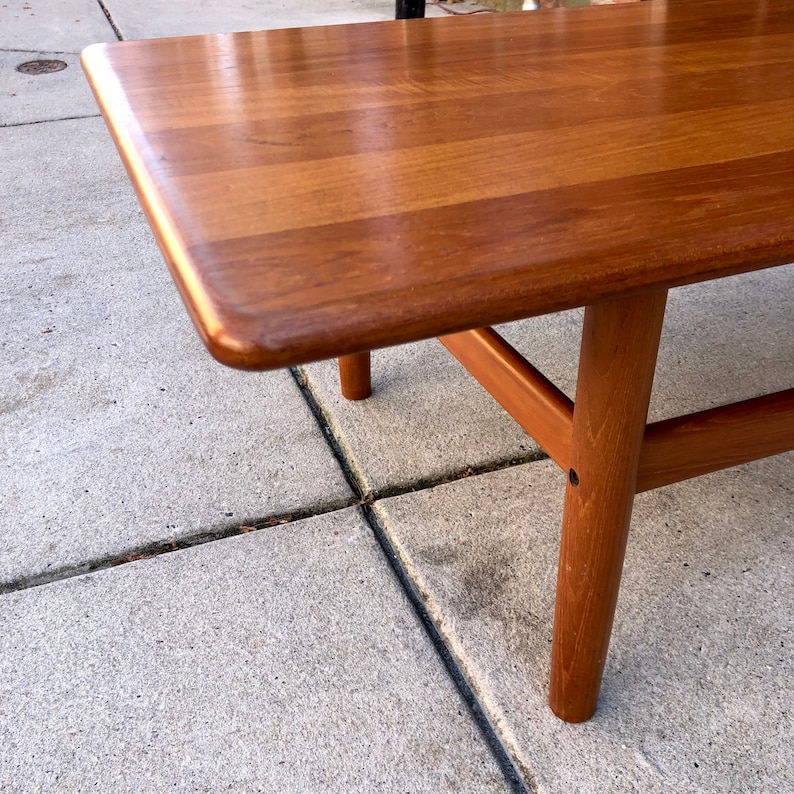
{"x": 620, "y": 341}
{"x": 354, "y": 376}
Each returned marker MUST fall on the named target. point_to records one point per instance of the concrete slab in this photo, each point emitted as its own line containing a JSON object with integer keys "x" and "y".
{"x": 64, "y": 192}
{"x": 427, "y": 419}
{"x": 139, "y": 19}
{"x": 726, "y": 340}
{"x": 697, "y": 692}
{"x": 52, "y": 25}
{"x": 119, "y": 431}
{"x": 283, "y": 660}
{"x": 26, "y": 98}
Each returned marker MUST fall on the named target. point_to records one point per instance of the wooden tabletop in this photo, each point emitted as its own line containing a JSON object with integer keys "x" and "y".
{"x": 322, "y": 191}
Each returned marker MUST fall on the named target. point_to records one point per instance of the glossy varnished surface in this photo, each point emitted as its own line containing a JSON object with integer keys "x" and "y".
{"x": 326, "y": 190}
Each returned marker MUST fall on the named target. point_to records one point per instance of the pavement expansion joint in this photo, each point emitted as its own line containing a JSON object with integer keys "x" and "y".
{"x": 460, "y": 474}
{"x": 515, "y": 778}
{"x": 350, "y": 471}
{"x": 49, "y": 52}
{"x": 47, "y": 121}
{"x": 166, "y": 547}
{"x": 111, "y": 21}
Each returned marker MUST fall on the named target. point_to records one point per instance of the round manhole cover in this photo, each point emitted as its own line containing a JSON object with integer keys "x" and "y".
{"x": 41, "y": 67}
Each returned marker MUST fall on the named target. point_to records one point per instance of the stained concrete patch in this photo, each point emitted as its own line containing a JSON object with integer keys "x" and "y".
{"x": 29, "y": 98}
{"x": 52, "y": 25}
{"x": 284, "y": 660}
{"x": 696, "y": 693}
{"x": 723, "y": 341}
{"x": 118, "y": 429}
{"x": 137, "y": 19}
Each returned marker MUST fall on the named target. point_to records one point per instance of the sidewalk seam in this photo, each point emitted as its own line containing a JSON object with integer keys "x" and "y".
{"x": 155, "y": 549}
{"x": 48, "y": 121}
{"x": 116, "y": 29}
{"x": 40, "y": 52}
{"x": 426, "y": 483}
{"x": 500, "y": 753}
{"x": 349, "y": 470}
{"x": 353, "y": 474}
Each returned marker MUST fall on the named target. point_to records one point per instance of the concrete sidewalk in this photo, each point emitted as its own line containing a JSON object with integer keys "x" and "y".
{"x": 192, "y": 596}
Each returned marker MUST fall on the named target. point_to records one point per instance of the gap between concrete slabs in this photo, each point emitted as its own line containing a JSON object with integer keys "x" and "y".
{"x": 518, "y": 780}
{"x": 427, "y": 419}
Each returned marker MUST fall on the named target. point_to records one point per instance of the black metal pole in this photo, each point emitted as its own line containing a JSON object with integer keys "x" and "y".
{"x": 410, "y": 9}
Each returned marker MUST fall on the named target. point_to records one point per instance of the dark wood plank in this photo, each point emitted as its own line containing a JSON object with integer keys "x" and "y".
{"x": 320, "y": 192}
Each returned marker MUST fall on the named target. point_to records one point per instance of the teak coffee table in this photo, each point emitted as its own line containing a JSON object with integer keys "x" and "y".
{"x": 324, "y": 192}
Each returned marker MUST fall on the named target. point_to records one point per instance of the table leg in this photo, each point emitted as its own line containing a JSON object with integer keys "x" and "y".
{"x": 620, "y": 341}
{"x": 354, "y": 376}
{"x": 410, "y": 9}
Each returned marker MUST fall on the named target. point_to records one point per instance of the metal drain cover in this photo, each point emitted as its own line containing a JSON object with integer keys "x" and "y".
{"x": 41, "y": 67}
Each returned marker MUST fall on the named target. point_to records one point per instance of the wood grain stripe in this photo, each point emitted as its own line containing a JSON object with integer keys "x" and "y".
{"x": 283, "y": 196}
